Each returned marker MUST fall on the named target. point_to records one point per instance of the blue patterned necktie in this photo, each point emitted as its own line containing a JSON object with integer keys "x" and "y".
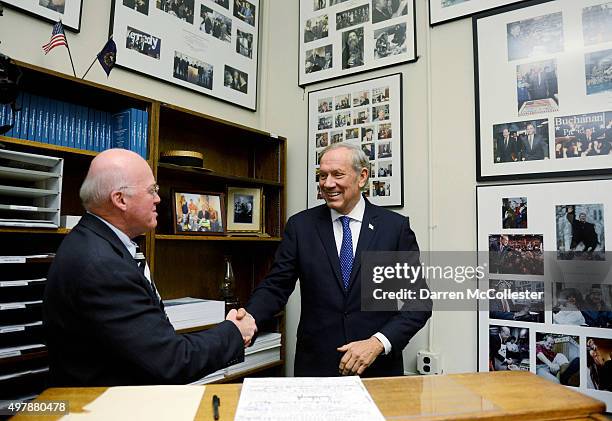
{"x": 346, "y": 251}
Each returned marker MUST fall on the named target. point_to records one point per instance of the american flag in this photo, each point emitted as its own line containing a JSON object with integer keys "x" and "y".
{"x": 57, "y": 38}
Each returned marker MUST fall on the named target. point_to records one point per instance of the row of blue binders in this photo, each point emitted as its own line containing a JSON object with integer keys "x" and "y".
{"x": 60, "y": 123}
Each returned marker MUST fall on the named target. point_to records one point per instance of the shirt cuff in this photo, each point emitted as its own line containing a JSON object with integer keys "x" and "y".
{"x": 383, "y": 339}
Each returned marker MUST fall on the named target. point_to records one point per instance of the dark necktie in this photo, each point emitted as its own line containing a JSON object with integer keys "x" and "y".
{"x": 142, "y": 263}
{"x": 346, "y": 251}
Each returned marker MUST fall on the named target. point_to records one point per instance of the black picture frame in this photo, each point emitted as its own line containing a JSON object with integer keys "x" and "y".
{"x": 68, "y": 11}
{"x": 440, "y": 13}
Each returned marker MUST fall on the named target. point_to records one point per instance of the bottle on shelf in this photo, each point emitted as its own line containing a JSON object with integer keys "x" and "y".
{"x": 228, "y": 286}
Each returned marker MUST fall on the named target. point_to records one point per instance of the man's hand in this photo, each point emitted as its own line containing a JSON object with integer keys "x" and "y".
{"x": 245, "y": 324}
{"x": 359, "y": 355}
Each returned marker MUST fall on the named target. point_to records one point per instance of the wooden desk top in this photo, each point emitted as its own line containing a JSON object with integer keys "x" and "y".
{"x": 473, "y": 396}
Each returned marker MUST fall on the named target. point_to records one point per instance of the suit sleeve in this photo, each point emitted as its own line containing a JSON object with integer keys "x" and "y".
{"x": 271, "y": 295}
{"x": 400, "y": 328}
{"x": 120, "y": 312}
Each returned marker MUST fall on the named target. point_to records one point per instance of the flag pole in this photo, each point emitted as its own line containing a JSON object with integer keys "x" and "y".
{"x": 90, "y": 66}
{"x": 69, "y": 53}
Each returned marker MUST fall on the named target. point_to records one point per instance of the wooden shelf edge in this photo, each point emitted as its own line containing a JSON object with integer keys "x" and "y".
{"x": 178, "y": 237}
{"x": 245, "y": 373}
{"x": 47, "y": 146}
{"x": 26, "y": 230}
{"x": 213, "y": 174}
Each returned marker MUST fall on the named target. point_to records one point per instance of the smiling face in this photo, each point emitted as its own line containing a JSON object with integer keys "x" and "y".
{"x": 339, "y": 182}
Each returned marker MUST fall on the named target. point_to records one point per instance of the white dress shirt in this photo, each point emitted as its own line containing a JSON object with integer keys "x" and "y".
{"x": 356, "y": 218}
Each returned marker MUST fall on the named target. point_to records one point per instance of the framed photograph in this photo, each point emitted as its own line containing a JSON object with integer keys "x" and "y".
{"x": 245, "y": 210}
{"x": 544, "y": 89}
{"x": 544, "y": 247}
{"x": 208, "y": 46}
{"x": 442, "y": 11}
{"x": 367, "y": 114}
{"x": 68, "y": 11}
{"x": 340, "y": 37}
{"x": 198, "y": 213}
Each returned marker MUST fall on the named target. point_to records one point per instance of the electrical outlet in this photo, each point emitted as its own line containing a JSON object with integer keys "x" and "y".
{"x": 429, "y": 362}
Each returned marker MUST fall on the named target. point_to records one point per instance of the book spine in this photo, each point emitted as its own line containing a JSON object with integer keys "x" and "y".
{"x": 33, "y": 120}
{"x": 52, "y": 121}
{"x": 25, "y": 115}
{"x": 140, "y": 136}
{"x": 134, "y": 129}
{"x": 121, "y": 129}
{"x": 84, "y": 124}
{"x": 108, "y": 130}
{"x": 59, "y": 123}
{"x": 97, "y": 132}
{"x": 66, "y": 124}
{"x": 77, "y": 126}
{"x": 91, "y": 124}
{"x": 72, "y": 125}
{"x": 145, "y": 131}
{"x": 45, "y": 103}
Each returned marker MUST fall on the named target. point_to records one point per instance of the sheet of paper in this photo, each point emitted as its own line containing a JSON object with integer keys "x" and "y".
{"x": 306, "y": 398}
{"x": 143, "y": 403}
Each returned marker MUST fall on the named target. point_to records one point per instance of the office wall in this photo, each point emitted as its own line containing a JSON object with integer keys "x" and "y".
{"x": 438, "y": 124}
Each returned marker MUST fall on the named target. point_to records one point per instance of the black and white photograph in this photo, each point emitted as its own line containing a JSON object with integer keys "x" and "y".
{"x": 245, "y": 11}
{"x": 516, "y": 254}
{"x": 244, "y": 43}
{"x": 352, "y": 48}
{"x": 384, "y": 150}
{"x": 361, "y": 98}
{"x": 181, "y": 9}
{"x": 221, "y": 26}
{"x": 518, "y": 309}
{"x": 342, "y": 101}
{"x": 325, "y": 105}
{"x": 558, "y": 358}
{"x": 380, "y": 113}
{"x": 362, "y": 36}
{"x": 582, "y": 304}
{"x": 520, "y": 141}
{"x": 537, "y": 88}
{"x": 388, "y": 9}
{"x": 222, "y": 3}
{"x": 235, "y": 79}
{"x": 320, "y": 58}
{"x": 322, "y": 139}
{"x": 316, "y": 28}
{"x": 55, "y": 5}
{"x": 352, "y": 17}
{"x": 599, "y": 363}
{"x": 597, "y": 23}
{"x": 580, "y": 231}
{"x": 52, "y": 11}
{"x": 598, "y": 72}
{"x": 141, "y": 6}
{"x": 583, "y": 135}
{"x": 352, "y": 119}
{"x": 508, "y": 348}
{"x": 193, "y": 70}
{"x": 143, "y": 43}
{"x": 244, "y": 210}
{"x": 390, "y": 41}
{"x": 384, "y": 169}
{"x": 514, "y": 213}
{"x": 541, "y": 35}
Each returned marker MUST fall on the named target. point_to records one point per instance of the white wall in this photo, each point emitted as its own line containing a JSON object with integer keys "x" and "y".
{"x": 439, "y": 156}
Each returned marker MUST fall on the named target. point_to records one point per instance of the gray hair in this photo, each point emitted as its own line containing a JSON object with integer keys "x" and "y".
{"x": 96, "y": 189}
{"x": 358, "y": 157}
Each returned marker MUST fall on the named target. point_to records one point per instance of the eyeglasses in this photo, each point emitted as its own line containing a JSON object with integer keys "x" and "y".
{"x": 153, "y": 190}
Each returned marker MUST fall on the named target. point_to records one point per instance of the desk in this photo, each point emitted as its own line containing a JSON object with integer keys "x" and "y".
{"x": 476, "y": 396}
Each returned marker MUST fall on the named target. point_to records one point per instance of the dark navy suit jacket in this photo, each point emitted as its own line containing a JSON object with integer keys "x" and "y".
{"x": 105, "y": 326}
{"x": 331, "y": 316}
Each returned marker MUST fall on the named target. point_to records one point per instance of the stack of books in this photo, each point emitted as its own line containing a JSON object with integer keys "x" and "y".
{"x": 190, "y": 312}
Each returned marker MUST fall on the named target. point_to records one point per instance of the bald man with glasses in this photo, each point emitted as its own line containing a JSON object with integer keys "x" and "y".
{"x": 104, "y": 319}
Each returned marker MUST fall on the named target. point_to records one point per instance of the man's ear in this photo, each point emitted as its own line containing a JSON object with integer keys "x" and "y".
{"x": 118, "y": 199}
{"x": 363, "y": 177}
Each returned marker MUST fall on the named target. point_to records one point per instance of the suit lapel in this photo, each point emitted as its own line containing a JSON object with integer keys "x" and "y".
{"x": 366, "y": 234}
{"x": 326, "y": 234}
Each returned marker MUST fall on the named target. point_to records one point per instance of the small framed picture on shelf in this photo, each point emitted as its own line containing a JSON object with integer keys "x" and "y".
{"x": 244, "y": 210}
{"x": 198, "y": 212}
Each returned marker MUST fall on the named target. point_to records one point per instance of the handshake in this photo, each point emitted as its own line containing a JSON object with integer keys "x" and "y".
{"x": 245, "y": 323}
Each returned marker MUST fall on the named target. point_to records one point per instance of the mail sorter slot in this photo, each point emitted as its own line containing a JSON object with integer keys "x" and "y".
{"x": 28, "y": 270}
{"x": 24, "y": 382}
{"x": 31, "y": 313}
{"x": 29, "y": 335}
{"x": 33, "y": 361}
{"x": 20, "y": 293}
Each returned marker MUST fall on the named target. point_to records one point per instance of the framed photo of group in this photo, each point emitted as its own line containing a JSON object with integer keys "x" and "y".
{"x": 367, "y": 114}
{"x": 68, "y": 11}
{"x": 198, "y": 213}
{"x": 340, "y": 37}
{"x": 544, "y": 99}
{"x": 441, "y": 11}
{"x": 545, "y": 247}
{"x": 208, "y": 46}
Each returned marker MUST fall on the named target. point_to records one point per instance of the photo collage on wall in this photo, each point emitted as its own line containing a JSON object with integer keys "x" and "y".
{"x": 209, "y": 46}
{"x": 338, "y": 37}
{"x": 549, "y": 242}
{"x": 366, "y": 114}
{"x": 545, "y": 100}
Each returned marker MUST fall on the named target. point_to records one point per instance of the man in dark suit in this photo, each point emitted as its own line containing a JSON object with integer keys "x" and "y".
{"x": 105, "y": 323}
{"x": 497, "y": 361}
{"x": 533, "y": 146}
{"x": 506, "y": 148}
{"x": 582, "y": 232}
{"x": 335, "y": 336}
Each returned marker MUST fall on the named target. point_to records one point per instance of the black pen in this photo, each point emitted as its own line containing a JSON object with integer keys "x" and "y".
{"x": 216, "y": 402}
